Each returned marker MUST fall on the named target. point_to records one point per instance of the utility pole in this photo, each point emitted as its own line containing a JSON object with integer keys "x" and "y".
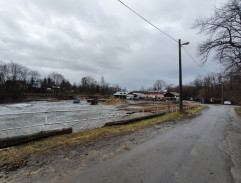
{"x": 221, "y": 85}
{"x": 180, "y": 74}
{"x": 222, "y": 93}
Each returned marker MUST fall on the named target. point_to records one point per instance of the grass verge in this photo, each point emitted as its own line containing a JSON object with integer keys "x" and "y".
{"x": 17, "y": 157}
{"x": 238, "y": 110}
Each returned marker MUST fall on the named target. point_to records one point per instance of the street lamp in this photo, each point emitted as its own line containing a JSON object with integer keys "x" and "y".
{"x": 180, "y": 74}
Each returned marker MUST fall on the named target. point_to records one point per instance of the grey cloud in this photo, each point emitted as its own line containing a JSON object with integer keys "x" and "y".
{"x": 102, "y": 38}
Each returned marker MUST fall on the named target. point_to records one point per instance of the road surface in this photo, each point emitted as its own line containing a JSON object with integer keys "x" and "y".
{"x": 206, "y": 150}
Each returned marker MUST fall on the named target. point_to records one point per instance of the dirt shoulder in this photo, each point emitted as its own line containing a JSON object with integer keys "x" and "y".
{"x": 238, "y": 110}
{"x": 70, "y": 159}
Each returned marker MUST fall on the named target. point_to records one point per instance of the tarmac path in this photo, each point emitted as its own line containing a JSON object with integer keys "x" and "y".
{"x": 208, "y": 149}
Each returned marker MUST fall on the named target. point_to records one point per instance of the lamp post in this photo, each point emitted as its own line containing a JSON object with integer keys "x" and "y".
{"x": 180, "y": 74}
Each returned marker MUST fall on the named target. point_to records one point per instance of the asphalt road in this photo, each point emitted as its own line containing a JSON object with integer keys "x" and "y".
{"x": 206, "y": 150}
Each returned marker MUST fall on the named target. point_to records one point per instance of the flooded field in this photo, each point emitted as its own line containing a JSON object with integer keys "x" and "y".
{"x": 32, "y": 117}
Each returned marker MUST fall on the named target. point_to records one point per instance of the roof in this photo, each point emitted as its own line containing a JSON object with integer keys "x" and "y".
{"x": 174, "y": 93}
{"x": 156, "y": 91}
{"x": 121, "y": 93}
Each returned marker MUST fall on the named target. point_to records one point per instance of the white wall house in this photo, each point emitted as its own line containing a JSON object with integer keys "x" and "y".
{"x": 122, "y": 95}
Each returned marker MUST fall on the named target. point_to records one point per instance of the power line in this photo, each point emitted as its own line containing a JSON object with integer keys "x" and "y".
{"x": 194, "y": 59}
{"x": 161, "y": 32}
{"x": 147, "y": 21}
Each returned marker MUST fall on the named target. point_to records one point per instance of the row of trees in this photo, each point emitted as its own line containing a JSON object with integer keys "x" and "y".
{"x": 214, "y": 86}
{"x": 16, "y": 79}
{"x": 224, "y": 42}
{"x": 223, "y": 31}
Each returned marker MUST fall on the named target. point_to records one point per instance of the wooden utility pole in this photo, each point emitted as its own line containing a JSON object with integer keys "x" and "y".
{"x": 180, "y": 77}
{"x": 180, "y": 74}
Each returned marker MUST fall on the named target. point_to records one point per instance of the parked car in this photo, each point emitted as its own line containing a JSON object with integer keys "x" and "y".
{"x": 136, "y": 98}
{"x": 227, "y": 102}
{"x": 76, "y": 101}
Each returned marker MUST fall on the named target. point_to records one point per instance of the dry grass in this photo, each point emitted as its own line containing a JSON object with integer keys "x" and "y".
{"x": 156, "y": 106}
{"x": 16, "y": 157}
{"x": 53, "y": 100}
{"x": 113, "y": 101}
{"x": 238, "y": 110}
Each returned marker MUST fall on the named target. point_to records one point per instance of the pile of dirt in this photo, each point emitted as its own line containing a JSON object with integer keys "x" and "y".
{"x": 113, "y": 101}
{"x": 53, "y": 100}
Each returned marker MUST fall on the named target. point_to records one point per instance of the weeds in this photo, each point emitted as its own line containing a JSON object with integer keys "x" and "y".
{"x": 238, "y": 110}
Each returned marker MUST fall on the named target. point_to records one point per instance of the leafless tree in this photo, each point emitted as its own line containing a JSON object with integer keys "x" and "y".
{"x": 159, "y": 85}
{"x": 88, "y": 81}
{"x": 24, "y": 73}
{"x": 34, "y": 75}
{"x": 3, "y": 72}
{"x": 224, "y": 30}
{"x": 13, "y": 71}
{"x": 171, "y": 87}
{"x": 57, "y": 78}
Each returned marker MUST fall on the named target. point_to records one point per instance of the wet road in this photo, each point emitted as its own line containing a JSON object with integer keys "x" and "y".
{"x": 205, "y": 150}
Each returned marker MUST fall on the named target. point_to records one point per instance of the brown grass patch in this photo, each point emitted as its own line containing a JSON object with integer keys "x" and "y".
{"x": 238, "y": 110}
{"x": 113, "y": 101}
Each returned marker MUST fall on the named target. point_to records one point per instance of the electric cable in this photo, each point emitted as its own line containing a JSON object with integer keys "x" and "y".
{"x": 161, "y": 32}
{"x": 147, "y": 21}
{"x": 194, "y": 59}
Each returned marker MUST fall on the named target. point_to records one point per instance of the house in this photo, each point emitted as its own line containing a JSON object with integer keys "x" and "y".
{"x": 122, "y": 95}
{"x": 132, "y": 95}
{"x": 173, "y": 96}
{"x": 36, "y": 84}
{"x": 155, "y": 94}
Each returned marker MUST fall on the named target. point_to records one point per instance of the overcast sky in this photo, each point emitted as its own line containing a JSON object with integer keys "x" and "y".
{"x": 103, "y": 38}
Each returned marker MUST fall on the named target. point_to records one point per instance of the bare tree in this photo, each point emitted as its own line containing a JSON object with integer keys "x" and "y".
{"x": 171, "y": 87}
{"x": 224, "y": 30}
{"x": 3, "y": 72}
{"x": 24, "y": 73}
{"x": 87, "y": 81}
{"x": 34, "y": 75}
{"x": 102, "y": 82}
{"x": 159, "y": 85}
{"x": 13, "y": 71}
{"x": 56, "y": 78}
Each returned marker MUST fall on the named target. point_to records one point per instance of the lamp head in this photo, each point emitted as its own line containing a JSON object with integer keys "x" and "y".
{"x": 185, "y": 43}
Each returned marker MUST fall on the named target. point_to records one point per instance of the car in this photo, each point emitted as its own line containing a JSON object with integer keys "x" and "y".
{"x": 227, "y": 102}
{"x": 136, "y": 98}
